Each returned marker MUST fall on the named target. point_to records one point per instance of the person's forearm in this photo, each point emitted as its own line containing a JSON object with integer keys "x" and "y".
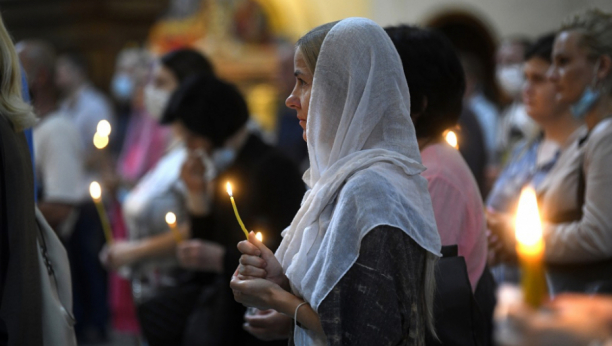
{"x": 160, "y": 245}
{"x": 286, "y": 303}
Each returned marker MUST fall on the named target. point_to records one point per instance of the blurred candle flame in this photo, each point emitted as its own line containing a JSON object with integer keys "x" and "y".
{"x": 104, "y": 128}
{"x": 100, "y": 141}
{"x": 528, "y": 224}
{"x": 259, "y": 236}
{"x": 229, "y": 189}
{"x": 95, "y": 190}
{"x": 451, "y": 139}
{"x": 170, "y": 218}
{"x": 530, "y": 248}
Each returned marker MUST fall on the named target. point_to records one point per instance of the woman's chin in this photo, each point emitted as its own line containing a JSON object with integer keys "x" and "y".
{"x": 304, "y": 136}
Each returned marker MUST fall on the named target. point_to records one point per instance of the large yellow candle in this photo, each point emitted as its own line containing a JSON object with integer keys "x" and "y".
{"x": 530, "y": 248}
{"x": 96, "y": 194}
{"x": 171, "y": 221}
{"x": 229, "y": 192}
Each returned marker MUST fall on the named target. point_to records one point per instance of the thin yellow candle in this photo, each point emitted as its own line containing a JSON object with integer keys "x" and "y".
{"x": 96, "y": 194}
{"x": 229, "y": 192}
{"x": 530, "y": 248}
{"x": 171, "y": 221}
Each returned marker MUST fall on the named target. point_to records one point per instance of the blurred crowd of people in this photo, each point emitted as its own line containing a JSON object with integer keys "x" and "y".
{"x": 180, "y": 134}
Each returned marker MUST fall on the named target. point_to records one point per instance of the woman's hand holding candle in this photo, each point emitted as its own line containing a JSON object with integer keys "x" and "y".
{"x": 257, "y": 261}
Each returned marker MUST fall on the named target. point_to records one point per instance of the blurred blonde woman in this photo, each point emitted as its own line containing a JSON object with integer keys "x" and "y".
{"x": 34, "y": 308}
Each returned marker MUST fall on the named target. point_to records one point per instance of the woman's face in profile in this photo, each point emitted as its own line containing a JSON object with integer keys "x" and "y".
{"x": 573, "y": 68}
{"x": 300, "y": 96}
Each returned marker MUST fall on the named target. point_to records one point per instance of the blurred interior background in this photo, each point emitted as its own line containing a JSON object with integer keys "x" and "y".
{"x": 243, "y": 36}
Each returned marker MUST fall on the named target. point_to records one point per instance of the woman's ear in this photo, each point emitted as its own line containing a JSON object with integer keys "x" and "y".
{"x": 416, "y": 115}
{"x": 605, "y": 67}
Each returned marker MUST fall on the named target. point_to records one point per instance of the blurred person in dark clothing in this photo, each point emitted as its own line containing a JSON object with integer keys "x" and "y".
{"x": 267, "y": 187}
{"x": 147, "y": 256}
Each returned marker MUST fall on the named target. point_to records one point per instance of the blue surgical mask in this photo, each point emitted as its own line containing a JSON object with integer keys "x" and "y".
{"x": 588, "y": 99}
{"x": 122, "y": 87}
{"x": 223, "y": 158}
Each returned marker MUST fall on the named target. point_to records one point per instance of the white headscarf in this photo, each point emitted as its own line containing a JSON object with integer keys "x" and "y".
{"x": 364, "y": 158}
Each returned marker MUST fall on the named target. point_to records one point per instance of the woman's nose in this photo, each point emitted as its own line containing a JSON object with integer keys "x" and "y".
{"x": 293, "y": 102}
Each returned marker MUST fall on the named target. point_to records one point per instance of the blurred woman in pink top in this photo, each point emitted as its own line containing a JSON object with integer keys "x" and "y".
{"x": 436, "y": 81}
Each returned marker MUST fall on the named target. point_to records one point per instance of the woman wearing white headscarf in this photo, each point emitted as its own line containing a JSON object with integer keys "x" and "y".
{"x": 356, "y": 264}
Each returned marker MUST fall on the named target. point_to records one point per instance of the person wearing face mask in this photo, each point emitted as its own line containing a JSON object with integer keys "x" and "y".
{"x": 532, "y": 159}
{"x": 213, "y": 117}
{"x": 146, "y": 260}
{"x": 145, "y": 139}
{"x": 515, "y": 124}
{"x": 575, "y": 196}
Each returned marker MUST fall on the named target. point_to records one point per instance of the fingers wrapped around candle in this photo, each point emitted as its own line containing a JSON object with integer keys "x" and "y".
{"x": 252, "y": 266}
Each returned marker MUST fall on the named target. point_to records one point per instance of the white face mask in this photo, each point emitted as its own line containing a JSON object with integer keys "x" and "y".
{"x": 156, "y": 100}
{"x": 511, "y": 78}
{"x": 211, "y": 172}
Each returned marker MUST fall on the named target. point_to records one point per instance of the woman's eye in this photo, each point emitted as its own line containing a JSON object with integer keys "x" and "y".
{"x": 301, "y": 82}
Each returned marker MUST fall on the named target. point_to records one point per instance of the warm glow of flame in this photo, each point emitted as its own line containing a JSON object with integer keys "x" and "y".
{"x": 170, "y": 218}
{"x": 229, "y": 189}
{"x": 451, "y": 139}
{"x": 528, "y": 224}
{"x": 104, "y": 128}
{"x": 99, "y": 141}
{"x": 95, "y": 190}
{"x": 259, "y": 236}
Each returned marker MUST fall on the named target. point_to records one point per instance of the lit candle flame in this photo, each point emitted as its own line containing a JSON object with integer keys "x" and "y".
{"x": 100, "y": 141}
{"x": 170, "y": 218}
{"x": 259, "y": 236}
{"x": 104, "y": 128}
{"x": 95, "y": 190}
{"x": 528, "y": 224}
{"x": 229, "y": 189}
{"x": 530, "y": 248}
{"x": 451, "y": 139}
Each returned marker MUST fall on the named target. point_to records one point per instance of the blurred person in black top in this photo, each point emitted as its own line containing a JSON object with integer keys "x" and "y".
{"x": 212, "y": 117}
